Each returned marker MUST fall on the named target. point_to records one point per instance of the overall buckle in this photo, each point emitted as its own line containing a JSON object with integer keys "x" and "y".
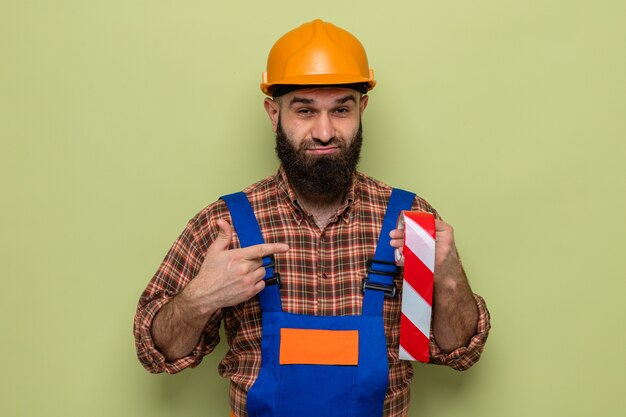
{"x": 389, "y": 290}
{"x": 274, "y": 279}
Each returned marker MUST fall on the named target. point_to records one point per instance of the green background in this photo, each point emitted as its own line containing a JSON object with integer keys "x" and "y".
{"x": 119, "y": 120}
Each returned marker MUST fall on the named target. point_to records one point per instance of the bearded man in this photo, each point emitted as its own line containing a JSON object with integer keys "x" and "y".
{"x": 284, "y": 264}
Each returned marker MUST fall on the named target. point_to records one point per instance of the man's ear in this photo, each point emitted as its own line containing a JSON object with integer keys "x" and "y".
{"x": 272, "y": 108}
{"x": 363, "y": 104}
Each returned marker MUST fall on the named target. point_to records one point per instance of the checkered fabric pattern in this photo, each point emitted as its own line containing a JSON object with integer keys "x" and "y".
{"x": 321, "y": 275}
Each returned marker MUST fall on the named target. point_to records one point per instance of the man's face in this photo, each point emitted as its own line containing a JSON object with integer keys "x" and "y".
{"x": 318, "y": 137}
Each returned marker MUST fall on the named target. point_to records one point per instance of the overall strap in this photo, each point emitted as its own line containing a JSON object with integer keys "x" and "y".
{"x": 249, "y": 234}
{"x": 382, "y": 269}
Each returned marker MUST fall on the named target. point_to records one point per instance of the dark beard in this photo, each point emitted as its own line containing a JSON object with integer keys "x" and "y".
{"x": 323, "y": 174}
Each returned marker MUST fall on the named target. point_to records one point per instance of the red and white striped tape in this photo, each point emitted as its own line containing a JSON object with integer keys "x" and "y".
{"x": 418, "y": 256}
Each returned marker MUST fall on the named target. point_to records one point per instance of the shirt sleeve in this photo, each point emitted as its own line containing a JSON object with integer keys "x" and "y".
{"x": 464, "y": 357}
{"x": 181, "y": 264}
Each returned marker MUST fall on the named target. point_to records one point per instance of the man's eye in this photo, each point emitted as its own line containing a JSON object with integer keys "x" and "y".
{"x": 304, "y": 111}
{"x": 342, "y": 110}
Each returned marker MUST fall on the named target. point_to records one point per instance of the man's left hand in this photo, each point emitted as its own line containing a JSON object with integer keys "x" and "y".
{"x": 447, "y": 261}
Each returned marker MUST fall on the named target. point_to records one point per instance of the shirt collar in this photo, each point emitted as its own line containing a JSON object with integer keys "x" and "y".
{"x": 344, "y": 212}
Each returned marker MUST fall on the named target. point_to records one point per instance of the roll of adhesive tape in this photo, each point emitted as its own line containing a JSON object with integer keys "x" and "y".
{"x": 418, "y": 257}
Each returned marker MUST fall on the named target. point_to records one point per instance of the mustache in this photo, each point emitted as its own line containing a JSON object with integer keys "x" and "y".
{"x": 317, "y": 144}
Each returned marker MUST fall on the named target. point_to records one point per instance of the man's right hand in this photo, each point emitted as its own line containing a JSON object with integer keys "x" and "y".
{"x": 229, "y": 277}
{"x": 226, "y": 278}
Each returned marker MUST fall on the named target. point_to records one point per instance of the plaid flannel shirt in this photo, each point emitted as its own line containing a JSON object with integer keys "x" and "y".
{"x": 321, "y": 275}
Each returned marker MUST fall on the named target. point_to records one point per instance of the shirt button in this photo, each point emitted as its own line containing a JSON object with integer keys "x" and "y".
{"x": 324, "y": 275}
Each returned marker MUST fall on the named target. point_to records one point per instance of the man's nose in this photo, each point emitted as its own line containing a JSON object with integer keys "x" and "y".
{"x": 323, "y": 130}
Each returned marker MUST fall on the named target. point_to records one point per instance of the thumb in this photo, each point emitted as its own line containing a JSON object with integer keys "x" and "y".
{"x": 222, "y": 242}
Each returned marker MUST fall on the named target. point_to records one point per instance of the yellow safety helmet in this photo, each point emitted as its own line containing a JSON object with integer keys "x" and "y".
{"x": 317, "y": 53}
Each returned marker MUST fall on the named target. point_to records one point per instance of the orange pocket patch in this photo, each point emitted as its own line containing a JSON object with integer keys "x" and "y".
{"x": 319, "y": 347}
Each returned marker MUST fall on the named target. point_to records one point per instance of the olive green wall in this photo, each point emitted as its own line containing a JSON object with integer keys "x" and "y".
{"x": 120, "y": 119}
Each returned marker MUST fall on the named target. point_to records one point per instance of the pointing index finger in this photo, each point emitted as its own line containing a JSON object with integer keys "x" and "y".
{"x": 264, "y": 249}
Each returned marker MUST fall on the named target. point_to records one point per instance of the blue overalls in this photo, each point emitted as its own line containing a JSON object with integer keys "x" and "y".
{"x": 322, "y": 366}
